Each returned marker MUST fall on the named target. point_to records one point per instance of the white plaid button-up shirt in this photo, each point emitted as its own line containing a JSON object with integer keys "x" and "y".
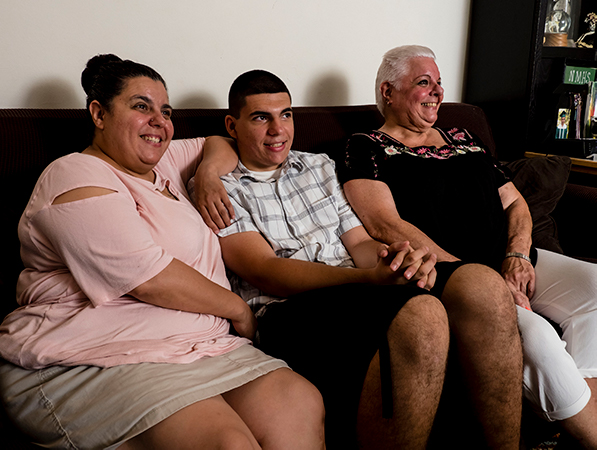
{"x": 301, "y": 213}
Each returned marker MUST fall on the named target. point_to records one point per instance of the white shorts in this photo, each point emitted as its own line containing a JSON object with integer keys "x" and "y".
{"x": 555, "y": 369}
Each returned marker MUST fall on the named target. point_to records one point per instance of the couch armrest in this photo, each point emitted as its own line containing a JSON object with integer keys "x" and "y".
{"x": 576, "y": 218}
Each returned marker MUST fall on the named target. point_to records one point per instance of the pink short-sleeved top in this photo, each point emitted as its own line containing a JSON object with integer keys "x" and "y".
{"x": 82, "y": 258}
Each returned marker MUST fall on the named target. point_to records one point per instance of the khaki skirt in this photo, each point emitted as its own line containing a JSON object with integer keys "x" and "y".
{"x": 88, "y": 407}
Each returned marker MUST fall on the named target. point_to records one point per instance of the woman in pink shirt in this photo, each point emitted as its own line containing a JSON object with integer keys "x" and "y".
{"x": 128, "y": 335}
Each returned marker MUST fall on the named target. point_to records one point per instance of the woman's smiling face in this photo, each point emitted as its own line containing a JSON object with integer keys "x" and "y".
{"x": 416, "y": 103}
{"x": 136, "y": 129}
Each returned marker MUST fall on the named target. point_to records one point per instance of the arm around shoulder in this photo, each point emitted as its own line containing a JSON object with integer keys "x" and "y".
{"x": 210, "y": 196}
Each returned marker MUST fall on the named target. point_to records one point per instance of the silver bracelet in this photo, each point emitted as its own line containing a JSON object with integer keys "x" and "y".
{"x": 518, "y": 255}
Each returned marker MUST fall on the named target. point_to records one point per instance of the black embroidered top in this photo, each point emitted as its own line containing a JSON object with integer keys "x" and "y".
{"x": 450, "y": 193}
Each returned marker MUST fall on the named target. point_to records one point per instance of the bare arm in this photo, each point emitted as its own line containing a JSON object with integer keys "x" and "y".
{"x": 249, "y": 255}
{"x": 181, "y": 287}
{"x": 518, "y": 273}
{"x": 381, "y": 218}
{"x": 363, "y": 250}
{"x": 211, "y": 198}
{"x": 520, "y": 223}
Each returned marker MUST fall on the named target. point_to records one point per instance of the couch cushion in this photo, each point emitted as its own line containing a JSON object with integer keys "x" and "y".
{"x": 542, "y": 181}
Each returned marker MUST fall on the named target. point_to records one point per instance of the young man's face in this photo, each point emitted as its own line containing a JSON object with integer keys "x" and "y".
{"x": 264, "y": 131}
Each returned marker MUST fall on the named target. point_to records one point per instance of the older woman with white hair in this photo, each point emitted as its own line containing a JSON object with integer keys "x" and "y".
{"x": 442, "y": 189}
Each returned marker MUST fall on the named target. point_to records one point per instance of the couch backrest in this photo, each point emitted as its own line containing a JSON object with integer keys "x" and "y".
{"x": 31, "y": 138}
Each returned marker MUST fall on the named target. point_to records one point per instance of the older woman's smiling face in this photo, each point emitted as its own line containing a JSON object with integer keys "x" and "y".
{"x": 416, "y": 102}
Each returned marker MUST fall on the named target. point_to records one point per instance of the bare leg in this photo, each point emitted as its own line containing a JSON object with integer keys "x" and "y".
{"x": 418, "y": 340}
{"x": 279, "y": 410}
{"x": 583, "y": 426}
{"x": 210, "y": 423}
{"x": 282, "y": 410}
{"x": 484, "y": 325}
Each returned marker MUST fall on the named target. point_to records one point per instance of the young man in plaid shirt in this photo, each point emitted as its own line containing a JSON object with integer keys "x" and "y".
{"x": 327, "y": 296}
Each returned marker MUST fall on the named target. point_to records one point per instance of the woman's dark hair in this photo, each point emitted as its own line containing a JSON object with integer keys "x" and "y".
{"x": 105, "y": 76}
{"x": 251, "y": 83}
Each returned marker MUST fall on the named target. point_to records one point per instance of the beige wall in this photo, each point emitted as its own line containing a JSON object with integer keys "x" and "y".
{"x": 326, "y": 50}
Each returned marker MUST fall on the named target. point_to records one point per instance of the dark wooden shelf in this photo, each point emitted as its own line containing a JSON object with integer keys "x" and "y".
{"x": 587, "y": 54}
{"x": 518, "y": 81}
{"x": 578, "y": 164}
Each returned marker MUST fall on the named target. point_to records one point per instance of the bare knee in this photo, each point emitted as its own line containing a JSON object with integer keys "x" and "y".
{"x": 420, "y": 331}
{"x": 483, "y": 317}
{"x": 234, "y": 439}
{"x": 295, "y": 409}
{"x": 475, "y": 290}
{"x": 425, "y": 314}
{"x": 224, "y": 436}
{"x": 210, "y": 423}
{"x": 303, "y": 397}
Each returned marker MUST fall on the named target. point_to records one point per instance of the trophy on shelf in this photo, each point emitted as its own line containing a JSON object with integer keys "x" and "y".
{"x": 587, "y": 40}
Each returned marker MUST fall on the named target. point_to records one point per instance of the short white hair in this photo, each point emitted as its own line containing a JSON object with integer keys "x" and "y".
{"x": 395, "y": 65}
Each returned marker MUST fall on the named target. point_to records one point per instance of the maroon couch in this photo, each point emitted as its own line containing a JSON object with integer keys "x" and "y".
{"x": 32, "y": 138}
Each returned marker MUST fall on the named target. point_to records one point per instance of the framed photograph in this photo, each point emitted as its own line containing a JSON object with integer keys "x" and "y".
{"x": 591, "y": 110}
{"x": 563, "y": 123}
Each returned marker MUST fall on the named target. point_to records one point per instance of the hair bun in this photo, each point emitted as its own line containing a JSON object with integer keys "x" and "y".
{"x": 99, "y": 60}
{"x": 106, "y": 75}
{"x": 94, "y": 67}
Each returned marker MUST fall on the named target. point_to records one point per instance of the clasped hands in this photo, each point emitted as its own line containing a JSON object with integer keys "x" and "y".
{"x": 399, "y": 263}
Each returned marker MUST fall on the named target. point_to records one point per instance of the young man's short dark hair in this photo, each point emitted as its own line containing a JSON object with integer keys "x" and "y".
{"x": 251, "y": 83}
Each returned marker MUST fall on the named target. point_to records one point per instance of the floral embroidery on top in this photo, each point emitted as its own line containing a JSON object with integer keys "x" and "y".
{"x": 458, "y": 142}
{"x": 383, "y": 147}
{"x": 391, "y": 150}
{"x": 457, "y": 135}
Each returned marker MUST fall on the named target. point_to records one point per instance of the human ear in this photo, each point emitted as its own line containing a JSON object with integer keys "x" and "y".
{"x": 386, "y": 91}
{"x": 230, "y": 122}
{"x": 97, "y": 114}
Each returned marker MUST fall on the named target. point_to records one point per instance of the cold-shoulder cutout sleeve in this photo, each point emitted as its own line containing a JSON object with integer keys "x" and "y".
{"x": 101, "y": 241}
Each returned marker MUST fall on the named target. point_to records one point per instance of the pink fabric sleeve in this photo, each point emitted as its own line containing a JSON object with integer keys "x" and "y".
{"x": 104, "y": 243}
{"x": 184, "y": 155}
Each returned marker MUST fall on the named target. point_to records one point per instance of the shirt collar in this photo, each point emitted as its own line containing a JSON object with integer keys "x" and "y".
{"x": 291, "y": 162}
